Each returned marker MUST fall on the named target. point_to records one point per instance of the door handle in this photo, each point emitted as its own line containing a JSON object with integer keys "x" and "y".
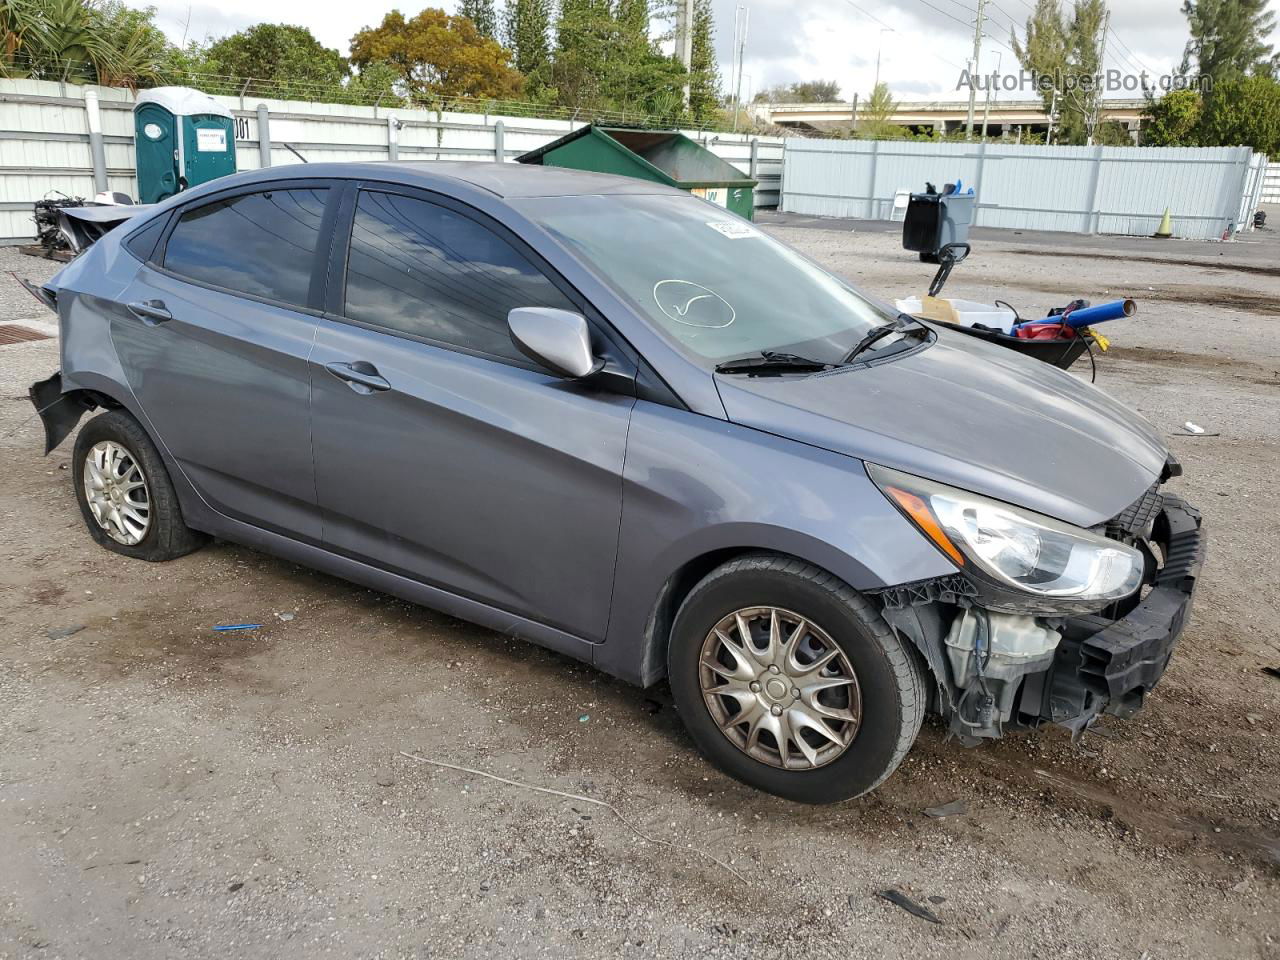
{"x": 150, "y": 312}
{"x": 361, "y": 375}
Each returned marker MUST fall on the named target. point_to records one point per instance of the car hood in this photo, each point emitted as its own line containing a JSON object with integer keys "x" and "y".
{"x": 971, "y": 414}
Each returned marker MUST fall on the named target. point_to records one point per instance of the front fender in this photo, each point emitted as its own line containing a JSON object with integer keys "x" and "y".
{"x": 695, "y": 487}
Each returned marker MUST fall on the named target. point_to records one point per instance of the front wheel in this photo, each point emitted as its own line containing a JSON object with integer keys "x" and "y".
{"x": 791, "y": 682}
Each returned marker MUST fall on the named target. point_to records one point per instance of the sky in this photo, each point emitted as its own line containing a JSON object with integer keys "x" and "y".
{"x": 923, "y": 44}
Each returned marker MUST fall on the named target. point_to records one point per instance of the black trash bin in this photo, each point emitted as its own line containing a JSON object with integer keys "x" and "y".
{"x": 934, "y": 220}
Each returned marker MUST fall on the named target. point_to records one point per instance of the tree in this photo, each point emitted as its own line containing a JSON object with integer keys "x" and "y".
{"x": 874, "y": 124}
{"x": 1246, "y": 112}
{"x": 816, "y": 91}
{"x": 68, "y": 45}
{"x": 1064, "y": 53}
{"x": 1227, "y": 37}
{"x": 438, "y": 55}
{"x": 804, "y": 91}
{"x": 480, "y": 12}
{"x": 1173, "y": 120}
{"x": 142, "y": 56}
{"x": 21, "y": 27}
{"x": 704, "y": 69}
{"x": 373, "y": 82}
{"x": 526, "y": 24}
{"x": 281, "y": 59}
{"x": 583, "y": 34}
{"x": 638, "y": 76}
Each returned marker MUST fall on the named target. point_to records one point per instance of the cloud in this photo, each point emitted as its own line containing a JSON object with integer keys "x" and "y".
{"x": 788, "y": 40}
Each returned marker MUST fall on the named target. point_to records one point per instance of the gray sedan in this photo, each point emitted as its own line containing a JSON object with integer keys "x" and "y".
{"x": 620, "y": 422}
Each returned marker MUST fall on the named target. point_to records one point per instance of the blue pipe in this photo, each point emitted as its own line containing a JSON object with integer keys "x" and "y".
{"x": 1086, "y": 316}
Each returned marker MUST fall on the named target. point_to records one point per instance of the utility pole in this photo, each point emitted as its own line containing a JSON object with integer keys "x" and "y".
{"x": 684, "y": 40}
{"x": 1053, "y": 115}
{"x": 879, "y": 50}
{"x": 1095, "y": 111}
{"x": 853, "y": 123}
{"x": 977, "y": 54}
{"x": 986, "y": 111}
{"x": 741, "y": 18}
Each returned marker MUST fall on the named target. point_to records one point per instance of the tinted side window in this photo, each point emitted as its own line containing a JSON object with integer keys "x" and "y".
{"x": 422, "y": 269}
{"x": 143, "y": 242}
{"x": 260, "y": 243}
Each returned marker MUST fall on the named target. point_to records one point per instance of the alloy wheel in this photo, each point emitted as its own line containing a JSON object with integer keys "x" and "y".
{"x": 117, "y": 492}
{"x": 780, "y": 688}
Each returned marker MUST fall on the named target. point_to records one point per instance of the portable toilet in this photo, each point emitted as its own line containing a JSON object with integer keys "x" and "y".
{"x": 182, "y": 137}
{"x": 662, "y": 156}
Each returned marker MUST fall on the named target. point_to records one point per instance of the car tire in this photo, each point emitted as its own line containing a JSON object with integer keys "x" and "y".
{"x": 888, "y": 687}
{"x": 112, "y": 456}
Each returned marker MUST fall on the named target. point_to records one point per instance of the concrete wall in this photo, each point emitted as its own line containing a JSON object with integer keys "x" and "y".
{"x": 45, "y": 142}
{"x": 1111, "y": 190}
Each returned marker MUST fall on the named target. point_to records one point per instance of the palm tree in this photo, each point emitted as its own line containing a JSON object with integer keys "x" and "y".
{"x": 21, "y": 26}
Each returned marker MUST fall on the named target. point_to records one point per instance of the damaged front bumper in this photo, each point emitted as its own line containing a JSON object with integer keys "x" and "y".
{"x": 1110, "y": 666}
{"x": 1022, "y": 672}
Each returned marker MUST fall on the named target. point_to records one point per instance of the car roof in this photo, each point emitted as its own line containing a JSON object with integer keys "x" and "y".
{"x": 508, "y": 180}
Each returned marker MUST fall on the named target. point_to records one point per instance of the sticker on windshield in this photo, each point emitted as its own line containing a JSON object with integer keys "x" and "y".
{"x": 732, "y": 229}
{"x": 693, "y": 304}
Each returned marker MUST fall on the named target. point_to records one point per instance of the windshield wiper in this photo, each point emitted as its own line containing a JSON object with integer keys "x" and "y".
{"x": 876, "y": 334}
{"x": 770, "y": 361}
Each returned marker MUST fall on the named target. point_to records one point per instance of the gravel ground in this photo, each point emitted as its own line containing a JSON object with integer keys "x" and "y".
{"x": 170, "y": 791}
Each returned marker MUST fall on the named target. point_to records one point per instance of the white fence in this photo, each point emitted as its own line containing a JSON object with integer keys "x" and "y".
{"x": 1112, "y": 190}
{"x": 45, "y": 143}
{"x": 1271, "y": 184}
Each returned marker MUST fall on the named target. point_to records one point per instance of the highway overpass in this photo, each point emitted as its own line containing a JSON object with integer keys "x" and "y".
{"x": 1007, "y": 117}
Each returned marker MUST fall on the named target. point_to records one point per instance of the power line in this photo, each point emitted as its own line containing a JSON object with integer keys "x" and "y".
{"x": 1127, "y": 49}
{"x": 873, "y": 17}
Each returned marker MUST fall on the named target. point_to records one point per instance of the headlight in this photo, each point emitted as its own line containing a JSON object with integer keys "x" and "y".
{"x": 1016, "y": 548}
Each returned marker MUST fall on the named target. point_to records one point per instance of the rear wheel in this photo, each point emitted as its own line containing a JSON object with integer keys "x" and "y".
{"x": 124, "y": 491}
{"x": 791, "y": 682}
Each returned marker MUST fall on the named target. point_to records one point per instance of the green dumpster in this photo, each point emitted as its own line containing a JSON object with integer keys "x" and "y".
{"x": 182, "y": 137}
{"x": 662, "y": 156}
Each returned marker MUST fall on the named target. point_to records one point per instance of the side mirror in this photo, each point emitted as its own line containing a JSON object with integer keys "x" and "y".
{"x": 558, "y": 339}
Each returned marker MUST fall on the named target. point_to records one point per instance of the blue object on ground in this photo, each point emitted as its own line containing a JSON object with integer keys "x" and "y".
{"x": 238, "y": 626}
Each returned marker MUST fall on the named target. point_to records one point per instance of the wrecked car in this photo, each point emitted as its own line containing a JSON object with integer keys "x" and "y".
{"x": 613, "y": 419}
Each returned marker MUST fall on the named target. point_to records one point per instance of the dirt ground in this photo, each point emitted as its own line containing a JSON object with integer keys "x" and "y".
{"x": 170, "y": 791}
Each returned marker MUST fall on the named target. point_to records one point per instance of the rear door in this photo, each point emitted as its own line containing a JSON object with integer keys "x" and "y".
{"x": 214, "y": 337}
{"x": 442, "y": 453}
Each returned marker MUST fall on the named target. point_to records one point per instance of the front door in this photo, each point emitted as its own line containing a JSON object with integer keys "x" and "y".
{"x": 214, "y": 342}
{"x": 441, "y": 453}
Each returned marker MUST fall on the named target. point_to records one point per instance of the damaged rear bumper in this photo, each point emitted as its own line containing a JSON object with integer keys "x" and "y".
{"x": 59, "y": 411}
{"x": 1110, "y": 666}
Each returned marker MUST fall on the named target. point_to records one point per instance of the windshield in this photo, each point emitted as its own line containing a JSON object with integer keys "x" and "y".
{"x": 718, "y": 286}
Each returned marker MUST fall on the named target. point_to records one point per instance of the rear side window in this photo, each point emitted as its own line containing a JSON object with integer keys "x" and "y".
{"x": 142, "y": 243}
{"x": 262, "y": 244}
{"x": 419, "y": 268}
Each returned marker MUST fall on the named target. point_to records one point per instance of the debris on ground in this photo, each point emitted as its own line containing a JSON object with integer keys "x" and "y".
{"x": 61, "y": 633}
{"x": 584, "y": 799}
{"x": 286, "y": 616}
{"x": 955, "y": 808}
{"x": 237, "y": 626}
{"x": 1190, "y": 429}
{"x": 900, "y": 899}
{"x": 1272, "y": 671}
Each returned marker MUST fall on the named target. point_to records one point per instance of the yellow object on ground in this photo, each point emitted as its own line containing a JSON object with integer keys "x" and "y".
{"x": 1166, "y": 225}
